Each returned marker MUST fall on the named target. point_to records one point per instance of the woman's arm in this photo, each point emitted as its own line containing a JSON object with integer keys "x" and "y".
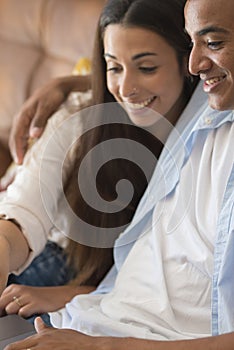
{"x": 14, "y": 250}
{"x": 32, "y": 199}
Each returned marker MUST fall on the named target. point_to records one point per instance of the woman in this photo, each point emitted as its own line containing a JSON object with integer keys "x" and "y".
{"x": 140, "y": 61}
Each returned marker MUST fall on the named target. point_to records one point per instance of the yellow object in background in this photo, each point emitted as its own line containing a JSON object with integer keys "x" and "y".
{"x": 82, "y": 67}
{"x": 77, "y": 99}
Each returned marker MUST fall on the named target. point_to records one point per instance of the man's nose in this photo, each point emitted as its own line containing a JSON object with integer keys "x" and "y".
{"x": 199, "y": 62}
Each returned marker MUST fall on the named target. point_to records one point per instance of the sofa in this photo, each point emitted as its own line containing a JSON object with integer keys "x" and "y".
{"x": 39, "y": 40}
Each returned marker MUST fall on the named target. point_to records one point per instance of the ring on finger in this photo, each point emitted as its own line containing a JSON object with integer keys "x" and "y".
{"x": 17, "y": 301}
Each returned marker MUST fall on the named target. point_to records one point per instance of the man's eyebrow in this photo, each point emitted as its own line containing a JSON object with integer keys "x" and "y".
{"x": 212, "y": 29}
{"x": 135, "y": 57}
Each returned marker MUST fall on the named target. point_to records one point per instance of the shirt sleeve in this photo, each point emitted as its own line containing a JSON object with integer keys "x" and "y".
{"x": 32, "y": 199}
{"x": 107, "y": 284}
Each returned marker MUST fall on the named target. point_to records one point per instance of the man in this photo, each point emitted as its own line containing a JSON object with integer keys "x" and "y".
{"x": 210, "y": 26}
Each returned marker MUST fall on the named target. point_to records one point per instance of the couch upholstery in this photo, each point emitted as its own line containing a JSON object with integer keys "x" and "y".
{"x": 40, "y": 39}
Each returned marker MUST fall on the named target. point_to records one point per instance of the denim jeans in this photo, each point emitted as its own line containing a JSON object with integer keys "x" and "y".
{"x": 47, "y": 269}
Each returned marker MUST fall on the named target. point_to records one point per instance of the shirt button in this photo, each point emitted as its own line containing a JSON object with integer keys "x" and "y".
{"x": 208, "y": 120}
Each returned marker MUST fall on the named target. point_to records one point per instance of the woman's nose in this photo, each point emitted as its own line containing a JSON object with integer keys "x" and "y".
{"x": 128, "y": 86}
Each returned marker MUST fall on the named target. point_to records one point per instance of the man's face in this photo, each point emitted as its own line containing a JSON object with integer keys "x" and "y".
{"x": 210, "y": 25}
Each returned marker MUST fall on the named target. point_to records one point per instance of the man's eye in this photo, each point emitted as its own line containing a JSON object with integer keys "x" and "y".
{"x": 215, "y": 45}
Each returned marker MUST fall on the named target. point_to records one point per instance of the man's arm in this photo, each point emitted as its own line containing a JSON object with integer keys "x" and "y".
{"x": 52, "y": 338}
{"x": 14, "y": 250}
{"x": 32, "y": 118}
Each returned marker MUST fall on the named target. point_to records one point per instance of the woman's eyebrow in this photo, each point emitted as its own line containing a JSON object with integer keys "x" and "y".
{"x": 143, "y": 54}
{"x": 135, "y": 57}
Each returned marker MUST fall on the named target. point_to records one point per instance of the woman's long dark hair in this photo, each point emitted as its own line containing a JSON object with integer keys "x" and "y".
{"x": 166, "y": 19}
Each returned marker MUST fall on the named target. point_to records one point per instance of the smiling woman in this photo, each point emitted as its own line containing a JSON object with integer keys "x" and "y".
{"x": 140, "y": 66}
{"x": 140, "y": 63}
{"x": 139, "y": 71}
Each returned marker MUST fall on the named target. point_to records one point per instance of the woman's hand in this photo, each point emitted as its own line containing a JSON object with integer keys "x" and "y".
{"x": 27, "y": 301}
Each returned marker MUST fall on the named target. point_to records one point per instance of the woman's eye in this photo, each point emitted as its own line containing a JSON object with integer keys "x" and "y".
{"x": 215, "y": 45}
{"x": 148, "y": 69}
{"x": 113, "y": 69}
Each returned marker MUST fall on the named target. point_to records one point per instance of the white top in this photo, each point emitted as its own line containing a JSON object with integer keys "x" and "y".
{"x": 33, "y": 198}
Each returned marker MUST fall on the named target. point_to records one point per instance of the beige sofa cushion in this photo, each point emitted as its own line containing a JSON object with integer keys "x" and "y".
{"x": 40, "y": 39}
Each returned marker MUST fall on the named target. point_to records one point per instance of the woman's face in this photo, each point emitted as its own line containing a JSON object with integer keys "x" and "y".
{"x": 143, "y": 74}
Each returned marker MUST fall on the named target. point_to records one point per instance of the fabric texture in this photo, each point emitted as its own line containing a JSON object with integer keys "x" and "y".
{"x": 106, "y": 314}
{"x": 47, "y": 269}
{"x": 40, "y": 40}
{"x": 94, "y": 314}
{"x": 37, "y": 221}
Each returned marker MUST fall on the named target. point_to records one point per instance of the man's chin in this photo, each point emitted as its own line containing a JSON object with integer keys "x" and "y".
{"x": 219, "y": 104}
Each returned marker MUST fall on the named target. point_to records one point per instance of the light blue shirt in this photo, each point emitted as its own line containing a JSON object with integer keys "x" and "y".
{"x": 197, "y": 117}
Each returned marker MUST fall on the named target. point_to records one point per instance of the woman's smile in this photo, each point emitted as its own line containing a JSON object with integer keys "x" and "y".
{"x": 143, "y": 74}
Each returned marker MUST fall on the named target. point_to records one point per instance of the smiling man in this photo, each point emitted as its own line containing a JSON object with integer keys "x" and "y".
{"x": 211, "y": 28}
